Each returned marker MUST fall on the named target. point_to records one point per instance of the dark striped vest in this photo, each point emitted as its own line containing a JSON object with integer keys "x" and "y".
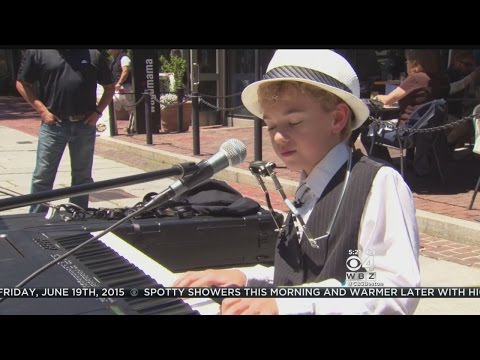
{"x": 117, "y": 69}
{"x": 298, "y": 263}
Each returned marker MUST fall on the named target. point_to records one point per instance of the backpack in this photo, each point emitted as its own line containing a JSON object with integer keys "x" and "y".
{"x": 211, "y": 198}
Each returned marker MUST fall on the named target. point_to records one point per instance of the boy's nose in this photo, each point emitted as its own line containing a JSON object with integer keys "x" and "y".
{"x": 280, "y": 138}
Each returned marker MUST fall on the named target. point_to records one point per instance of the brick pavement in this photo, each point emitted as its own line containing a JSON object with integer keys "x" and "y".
{"x": 430, "y": 195}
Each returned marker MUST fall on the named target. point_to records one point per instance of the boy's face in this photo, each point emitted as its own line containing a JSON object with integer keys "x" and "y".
{"x": 301, "y": 131}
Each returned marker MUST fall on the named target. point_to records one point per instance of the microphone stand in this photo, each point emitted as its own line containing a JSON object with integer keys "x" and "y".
{"x": 45, "y": 196}
{"x": 158, "y": 200}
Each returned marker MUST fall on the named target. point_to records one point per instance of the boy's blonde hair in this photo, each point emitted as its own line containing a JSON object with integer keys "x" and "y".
{"x": 268, "y": 94}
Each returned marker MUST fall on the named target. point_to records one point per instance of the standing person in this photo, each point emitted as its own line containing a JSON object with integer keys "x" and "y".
{"x": 352, "y": 205}
{"x": 67, "y": 103}
{"x": 122, "y": 75}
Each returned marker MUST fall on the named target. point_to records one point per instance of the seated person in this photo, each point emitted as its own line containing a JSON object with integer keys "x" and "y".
{"x": 424, "y": 83}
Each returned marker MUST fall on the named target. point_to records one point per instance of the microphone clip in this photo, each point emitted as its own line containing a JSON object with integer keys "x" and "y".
{"x": 298, "y": 204}
{"x": 262, "y": 168}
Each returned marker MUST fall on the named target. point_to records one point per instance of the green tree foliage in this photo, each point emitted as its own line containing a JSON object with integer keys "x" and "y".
{"x": 176, "y": 65}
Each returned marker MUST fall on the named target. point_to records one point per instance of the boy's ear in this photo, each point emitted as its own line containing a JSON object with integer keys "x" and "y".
{"x": 341, "y": 116}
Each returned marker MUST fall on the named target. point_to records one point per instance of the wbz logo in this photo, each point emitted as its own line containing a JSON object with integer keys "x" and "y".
{"x": 361, "y": 275}
{"x": 354, "y": 263}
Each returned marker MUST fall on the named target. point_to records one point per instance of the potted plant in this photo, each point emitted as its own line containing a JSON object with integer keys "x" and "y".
{"x": 169, "y": 113}
{"x": 176, "y": 66}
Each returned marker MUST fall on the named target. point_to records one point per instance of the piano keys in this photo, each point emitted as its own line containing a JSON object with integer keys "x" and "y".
{"x": 95, "y": 265}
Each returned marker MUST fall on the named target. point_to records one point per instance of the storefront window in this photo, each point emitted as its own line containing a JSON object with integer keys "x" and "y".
{"x": 241, "y": 73}
{"x": 207, "y": 60}
{"x": 208, "y": 88}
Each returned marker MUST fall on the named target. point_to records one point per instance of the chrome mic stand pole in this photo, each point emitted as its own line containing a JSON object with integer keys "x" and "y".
{"x": 44, "y": 196}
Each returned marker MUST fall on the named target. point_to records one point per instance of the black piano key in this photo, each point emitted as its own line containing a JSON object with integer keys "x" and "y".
{"x": 87, "y": 253}
{"x": 103, "y": 261}
{"x": 119, "y": 269}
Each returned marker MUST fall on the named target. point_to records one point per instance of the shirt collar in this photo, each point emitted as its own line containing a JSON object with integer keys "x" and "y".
{"x": 324, "y": 171}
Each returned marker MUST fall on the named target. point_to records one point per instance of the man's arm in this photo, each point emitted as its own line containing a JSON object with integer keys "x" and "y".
{"x": 465, "y": 82}
{"x": 108, "y": 91}
{"x": 125, "y": 63}
{"x": 26, "y": 90}
{"x": 123, "y": 77}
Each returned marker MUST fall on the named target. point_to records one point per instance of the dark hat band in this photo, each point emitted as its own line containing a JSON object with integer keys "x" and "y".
{"x": 298, "y": 72}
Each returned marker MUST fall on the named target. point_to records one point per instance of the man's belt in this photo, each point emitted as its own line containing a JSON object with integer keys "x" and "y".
{"x": 72, "y": 118}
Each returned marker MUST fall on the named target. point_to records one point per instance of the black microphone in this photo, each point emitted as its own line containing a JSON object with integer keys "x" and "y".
{"x": 232, "y": 152}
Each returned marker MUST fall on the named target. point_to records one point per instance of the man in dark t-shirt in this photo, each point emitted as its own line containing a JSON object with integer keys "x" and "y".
{"x": 66, "y": 99}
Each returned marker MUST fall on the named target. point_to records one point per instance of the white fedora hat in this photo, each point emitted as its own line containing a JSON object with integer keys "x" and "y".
{"x": 321, "y": 68}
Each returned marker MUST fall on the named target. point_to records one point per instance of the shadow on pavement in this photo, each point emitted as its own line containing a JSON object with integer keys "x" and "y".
{"x": 461, "y": 174}
{"x": 13, "y": 108}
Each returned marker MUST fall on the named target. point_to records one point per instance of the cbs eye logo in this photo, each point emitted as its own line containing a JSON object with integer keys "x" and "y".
{"x": 354, "y": 262}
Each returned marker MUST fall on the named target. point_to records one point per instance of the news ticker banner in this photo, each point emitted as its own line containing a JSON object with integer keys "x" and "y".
{"x": 245, "y": 292}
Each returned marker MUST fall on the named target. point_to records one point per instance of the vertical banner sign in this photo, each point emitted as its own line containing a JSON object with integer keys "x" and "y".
{"x": 145, "y": 77}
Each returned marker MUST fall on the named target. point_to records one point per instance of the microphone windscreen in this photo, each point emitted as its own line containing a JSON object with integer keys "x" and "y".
{"x": 235, "y": 150}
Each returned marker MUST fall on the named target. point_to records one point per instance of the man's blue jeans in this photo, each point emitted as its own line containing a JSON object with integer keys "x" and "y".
{"x": 52, "y": 140}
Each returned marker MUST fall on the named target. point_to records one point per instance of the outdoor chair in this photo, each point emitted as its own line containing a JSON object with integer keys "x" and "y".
{"x": 476, "y": 148}
{"x": 412, "y": 135}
